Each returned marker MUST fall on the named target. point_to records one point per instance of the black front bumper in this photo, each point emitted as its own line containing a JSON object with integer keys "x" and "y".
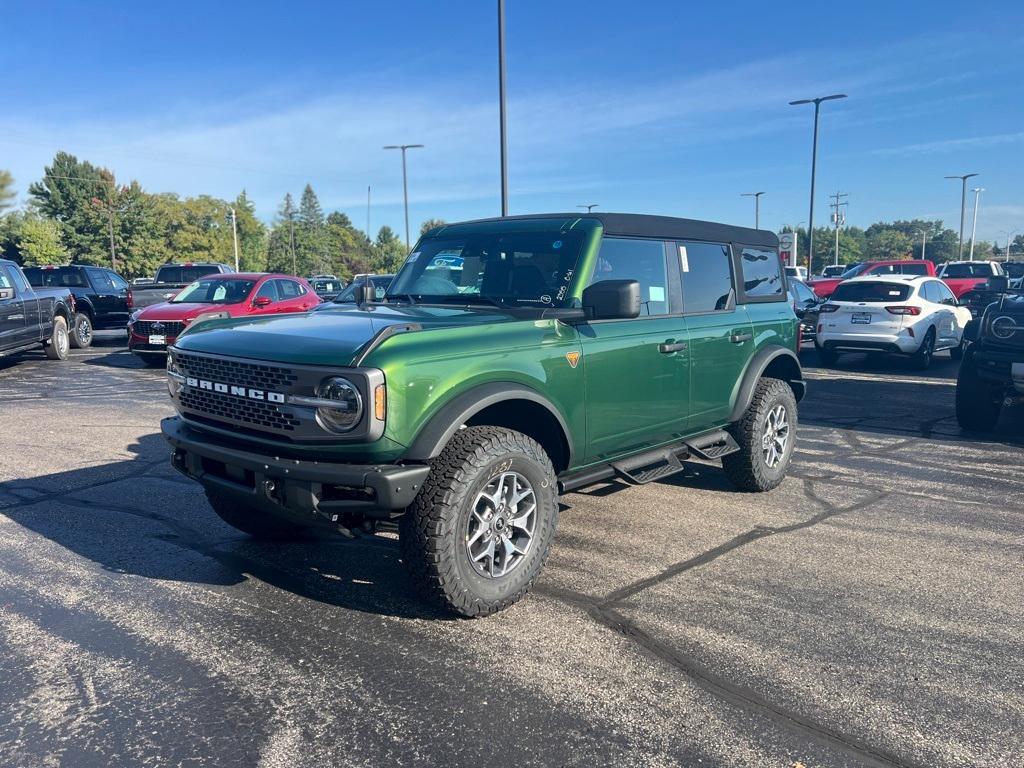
{"x": 301, "y": 490}
{"x": 1000, "y": 366}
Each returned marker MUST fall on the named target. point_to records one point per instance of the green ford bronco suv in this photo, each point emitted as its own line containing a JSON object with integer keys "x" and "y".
{"x": 511, "y": 360}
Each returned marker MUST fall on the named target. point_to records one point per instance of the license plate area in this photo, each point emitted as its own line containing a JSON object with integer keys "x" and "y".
{"x": 157, "y": 338}
{"x": 861, "y": 318}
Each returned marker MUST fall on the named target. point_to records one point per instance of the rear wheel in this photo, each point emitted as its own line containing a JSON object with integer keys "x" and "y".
{"x": 923, "y": 357}
{"x": 977, "y": 403}
{"x": 766, "y": 435}
{"x": 248, "y": 520}
{"x": 81, "y": 333}
{"x": 476, "y": 536}
{"x": 59, "y": 346}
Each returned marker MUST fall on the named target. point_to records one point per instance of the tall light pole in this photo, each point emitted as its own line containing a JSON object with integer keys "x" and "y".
{"x": 368, "y": 235}
{"x": 974, "y": 227}
{"x": 757, "y": 206}
{"x": 814, "y": 162}
{"x": 405, "y": 184}
{"x": 924, "y": 241}
{"x": 234, "y": 234}
{"x": 838, "y": 218}
{"x": 1009, "y": 235}
{"x": 503, "y": 130}
{"x": 589, "y": 206}
{"x": 963, "y": 209}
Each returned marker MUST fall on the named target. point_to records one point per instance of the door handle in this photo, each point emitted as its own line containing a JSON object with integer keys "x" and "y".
{"x": 669, "y": 347}
{"x": 739, "y": 338}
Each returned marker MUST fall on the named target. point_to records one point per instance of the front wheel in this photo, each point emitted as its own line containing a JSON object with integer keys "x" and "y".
{"x": 81, "y": 333}
{"x": 766, "y": 435}
{"x": 59, "y": 346}
{"x": 476, "y": 537}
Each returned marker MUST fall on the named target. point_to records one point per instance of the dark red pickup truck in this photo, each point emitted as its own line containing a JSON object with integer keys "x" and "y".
{"x": 964, "y": 276}
{"x": 824, "y": 286}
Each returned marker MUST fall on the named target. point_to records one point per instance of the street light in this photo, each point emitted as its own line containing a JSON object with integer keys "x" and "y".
{"x": 814, "y": 161}
{"x": 501, "y": 108}
{"x": 757, "y": 206}
{"x": 963, "y": 208}
{"x": 924, "y": 241}
{"x": 974, "y": 227}
{"x": 405, "y": 185}
{"x": 1009, "y": 236}
{"x": 234, "y": 233}
{"x": 588, "y": 206}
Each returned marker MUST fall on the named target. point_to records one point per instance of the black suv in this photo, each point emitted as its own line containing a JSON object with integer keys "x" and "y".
{"x": 992, "y": 372}
{"x": 103, "y": 300}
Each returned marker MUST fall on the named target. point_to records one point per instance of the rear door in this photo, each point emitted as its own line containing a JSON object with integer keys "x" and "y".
{"x": 294, "y": 296}
{"x": 721, "y": 338}
{"x": 119, "y": 311}
{"x": 105, "y": 298}
{"x": 12, "y": 312}
{"x": 637, "y": 371}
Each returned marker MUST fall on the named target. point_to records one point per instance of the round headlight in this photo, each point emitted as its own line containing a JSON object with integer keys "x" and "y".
{"x": 349, "y": 409}
{"x": 1003, "y": 327}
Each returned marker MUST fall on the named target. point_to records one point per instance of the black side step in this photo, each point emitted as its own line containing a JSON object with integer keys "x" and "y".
{"x": 713, "y": 445}
{"x": 648, "y": 467}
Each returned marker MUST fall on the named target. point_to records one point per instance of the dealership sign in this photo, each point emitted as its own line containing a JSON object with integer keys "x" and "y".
{"x": 787, "y": 248}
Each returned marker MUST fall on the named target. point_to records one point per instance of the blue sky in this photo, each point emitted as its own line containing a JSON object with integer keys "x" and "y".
{"x": 657, "y": 107}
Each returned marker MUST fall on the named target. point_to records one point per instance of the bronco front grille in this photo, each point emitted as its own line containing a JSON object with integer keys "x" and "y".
{"x": 255, "y": 375}
{"x": 257, "y": 413}
{"x": 166, "y": 328}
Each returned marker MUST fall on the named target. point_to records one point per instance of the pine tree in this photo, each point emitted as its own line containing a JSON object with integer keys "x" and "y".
{"x": 310, "y": 235}
{"x": 252, "y": 236}
{"x": 7, "y": 193}
{"x": 281, "y": 256}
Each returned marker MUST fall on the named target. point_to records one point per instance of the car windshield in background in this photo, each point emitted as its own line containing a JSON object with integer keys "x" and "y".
{"x": 1014, "y": 269}
{"x": 380, "y": 287}
{"x": 215, "y": 290}
{"x": 871, "y": 292}
{"x": 853, "y": 271}
{"x": 981, "y": 269}
{"x": 531, "y": 269}
{"x": 183, "y": 274}
{"x": 62, "y": 277}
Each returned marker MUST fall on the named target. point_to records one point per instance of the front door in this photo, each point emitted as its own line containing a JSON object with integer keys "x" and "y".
{"x": 637, "y": 371}
{"x": 721, "y": 338}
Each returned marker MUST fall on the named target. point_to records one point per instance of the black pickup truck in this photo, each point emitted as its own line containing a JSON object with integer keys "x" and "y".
{"x": 33, "y": 317}
{"x": 171, "y": 278}
{"x": 103, "y": 300}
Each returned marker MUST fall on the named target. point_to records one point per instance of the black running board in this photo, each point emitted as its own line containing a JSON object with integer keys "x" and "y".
{"x": 713, "y": 445}
{"x": 650, "y": 466}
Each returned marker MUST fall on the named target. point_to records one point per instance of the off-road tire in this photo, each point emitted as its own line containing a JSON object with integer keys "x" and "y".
{"x": 59, "y": 345}
{"x": 826, "y": 357}
{"x": 248, "y": 520}
{"x": 747, "y": 468}
{"x": 82, "y": 332}
{"x": 432, "y": 531}
{"x": 922, "y": 359}
{"x": 977, "y": 404}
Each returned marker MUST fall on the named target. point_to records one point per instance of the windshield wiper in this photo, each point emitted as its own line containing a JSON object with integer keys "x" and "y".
{"x": 472, "y": 298}
{"x": 400, "y": 297}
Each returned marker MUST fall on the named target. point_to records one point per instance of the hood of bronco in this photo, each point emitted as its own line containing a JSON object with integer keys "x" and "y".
{"x": 331, "y": 335}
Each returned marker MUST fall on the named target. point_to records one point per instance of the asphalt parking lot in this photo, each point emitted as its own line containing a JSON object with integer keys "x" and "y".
{"x": 868, "y": 612}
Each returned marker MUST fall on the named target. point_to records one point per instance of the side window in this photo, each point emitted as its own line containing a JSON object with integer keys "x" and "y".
{"x": 117, "y": 281}
{"x": 913, "y": 269}
{"x": 930, "y": 292}
{"x": 707, "y": 277}
{"x": 640, "y": 260}
{"x": 762, "y": 273}
{"x": 268, "y": 290}
{"x": 19, "y": 281}
{"x": 289, "y": 289}
{"x": 943, "y": 294}
{"x": 99, "y": 280}
{"x": 803, "y": 293}
{"x": 5, "y": 279}
{"x": 883, "y": 269}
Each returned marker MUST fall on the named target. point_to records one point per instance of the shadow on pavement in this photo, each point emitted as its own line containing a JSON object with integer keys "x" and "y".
{"x": 137, "y": 517}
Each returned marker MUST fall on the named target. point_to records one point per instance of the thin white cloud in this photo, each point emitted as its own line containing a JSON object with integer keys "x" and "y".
{"x": 951, "y": 145}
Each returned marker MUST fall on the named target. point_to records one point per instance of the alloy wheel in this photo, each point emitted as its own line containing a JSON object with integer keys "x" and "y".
{"x": 501, "y": 525}
{"x": 775, "y": 437}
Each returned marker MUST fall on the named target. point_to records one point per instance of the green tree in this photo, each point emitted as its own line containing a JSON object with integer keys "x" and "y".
{"x": 252, "y": 236}
{"x": 80, "y": 197}
{"x": 310, "y": 235}
{"x": 140, "y": 232}
{"x": 430, "y": 224}
{"x": 348, "y": 249}
{"x": 888, "y": 244}
{"x": 7, "y": 193}
{"x": 281, "y": 245}
{"x": 39, "y": 242}
{"x": 388, "y": 251}
{"x": 10, "y": 229}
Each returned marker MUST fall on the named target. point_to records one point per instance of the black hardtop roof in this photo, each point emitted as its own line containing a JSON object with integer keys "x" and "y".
{"x": 644, "y": 225}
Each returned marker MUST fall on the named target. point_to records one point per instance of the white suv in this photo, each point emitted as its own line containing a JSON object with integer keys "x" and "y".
{"x": 907, "y": 315}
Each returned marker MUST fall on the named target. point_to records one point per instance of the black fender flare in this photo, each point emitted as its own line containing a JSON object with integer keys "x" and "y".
{"x": 84, "y": 306}
{"x": 756, "y": 368}
{"x": 436, "y": 433}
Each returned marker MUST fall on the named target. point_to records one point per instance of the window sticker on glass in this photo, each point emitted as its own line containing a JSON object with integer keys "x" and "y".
{"x": 413, "y": 256}
{"x": 656, "y": 293}
{"x": 683, "y": 261}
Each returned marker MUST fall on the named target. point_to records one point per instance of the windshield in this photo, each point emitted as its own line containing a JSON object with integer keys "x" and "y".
{"x": 980, "y": 269}
{"x": 62, "y": 277}
{"x": 853, "y": 271}
{"x": 215, "y": 290}
{"x": 516, "y": 268}
{"x": 871, "y": 292}
{"x": 1014, "y": 268}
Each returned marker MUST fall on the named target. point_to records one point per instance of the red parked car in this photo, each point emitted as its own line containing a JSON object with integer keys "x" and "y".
{"x": 239, "y": 294}
{"x": 823, "y": 286}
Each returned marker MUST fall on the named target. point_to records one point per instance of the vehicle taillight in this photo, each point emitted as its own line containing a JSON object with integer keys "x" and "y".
{"x": 130, "y": 300}
{"x": 903, "y": 310}
{"x": 826, "y": 308}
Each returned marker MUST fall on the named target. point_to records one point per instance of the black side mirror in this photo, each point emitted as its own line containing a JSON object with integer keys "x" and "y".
{"x": 999, "y": 283}
{"x": 612, "y": 299}
{"x": 6, "y": 293}
{"x": 366, "y": 293}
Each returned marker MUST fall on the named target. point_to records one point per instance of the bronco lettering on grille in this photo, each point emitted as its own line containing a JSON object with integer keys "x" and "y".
{"x": 250, "y": 394}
